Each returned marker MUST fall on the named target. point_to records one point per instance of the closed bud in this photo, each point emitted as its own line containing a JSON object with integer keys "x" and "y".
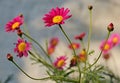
{"x": 19, "y": 32}
{"x": 9, "y": 57}
{"x": 110, "y": 27}
{"x": 90, "y": 7}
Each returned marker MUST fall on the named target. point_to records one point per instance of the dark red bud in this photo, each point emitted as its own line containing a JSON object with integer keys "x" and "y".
{"x": 9, "y": 57}
{"x": 110, "y": 27}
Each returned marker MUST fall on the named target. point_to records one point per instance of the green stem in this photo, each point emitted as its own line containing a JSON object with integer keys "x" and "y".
{"x": 72, "y": 49}
{"x": 27, "y": 74}
{"x": 51, "y": 77}
{"x": 40, "y": 59}
{"x": 67, "y": 38}
{"x": 90, "y": 31}
{"x": 39, "y": 46}
{"x": 99, "y": 54}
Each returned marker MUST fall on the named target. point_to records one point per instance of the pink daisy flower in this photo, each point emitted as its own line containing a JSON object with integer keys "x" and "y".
{"x": 22, "y": 48}
{"x": 50, "y": 50}
{"x": 106, "y": 46}
{"x": 54, "y": 41}
{"x": 14, "y": 24}
{"x": 115, "y": 39}
{"x": 74, "y": 45}
{"x": 60, "y": 62}
{"x": 56, "y": 16}
{"x": 80, "y": 36}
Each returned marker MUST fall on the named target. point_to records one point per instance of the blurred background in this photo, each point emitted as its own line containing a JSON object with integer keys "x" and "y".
{"x": 104, "y": 12}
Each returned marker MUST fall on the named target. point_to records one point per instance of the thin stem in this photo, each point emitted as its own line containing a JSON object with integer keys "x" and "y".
{"x": 90, "y": 31}
{"x": 39, "y": 46}
{"x": 99, "y": 54}
{"x": 27, "y": 74}
{"x": 40, "y": 59}
{"x": 51, "y": 77}
{"x": 67, "y": 38}
{"x": 72, "y": 49}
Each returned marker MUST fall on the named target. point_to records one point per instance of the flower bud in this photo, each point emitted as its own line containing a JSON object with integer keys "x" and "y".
{"x": 110, "y": 27}
{"x": 19, "y": 32}
{"x": 9, "y": 57}
{"x": 90, "y": 7}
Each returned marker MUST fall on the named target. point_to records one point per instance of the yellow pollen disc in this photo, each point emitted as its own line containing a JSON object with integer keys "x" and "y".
{"x": 106, "y": 47}
{"x": 115, "y": 40}
{"x": 57, "y": 19}
{"x": 60, "y": 63}
{"x": 22, "y": 46}
{"x": 15, "y": 25}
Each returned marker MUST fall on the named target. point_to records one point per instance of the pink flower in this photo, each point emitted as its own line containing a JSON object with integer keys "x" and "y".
{"x": 50, "y": 50}
{"x": 74, "y": 45}
{"x": 54, "y": 41}
{"x": 106, "y": 46}
{"x": 60, "y": 62}
{"x": 115, "y": 39}
{"x": 14, "y": 24}
{"x": 22, "y": 48}
{"x": 56, "y": 16}
{"x": 80, "y": 36}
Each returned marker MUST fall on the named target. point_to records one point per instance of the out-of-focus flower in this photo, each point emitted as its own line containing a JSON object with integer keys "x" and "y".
{"x": 80, "y": 36}
{"x": 56, "y": 16}
{"x": 82, "y": 55}
{"x": 115, "y": 39}
{"x": 74, "y": 45}
{"x": 73, "y": 61}
{"x": 110, "y": 27}
{"x": 106, "y": 56}
{"x": 22, "y": 48}
{"x": 50, "y": 50}
{"x": 60, "y": 62}
{"x": 14, "y": 24}
{"x": 54, "y": 41}
{"x": 106, "y": 46}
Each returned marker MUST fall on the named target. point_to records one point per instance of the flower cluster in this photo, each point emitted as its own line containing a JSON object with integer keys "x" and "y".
{"x": 56, "y": 70}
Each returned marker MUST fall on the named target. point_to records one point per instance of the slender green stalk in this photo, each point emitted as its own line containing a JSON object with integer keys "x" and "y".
{"x": 72, "y": 49}
{"x": 27, "y": 74}
{"x": 90, "y": 31}
{"x": 41, "y": 60}
{"x": 67, "y": 38}
{"x": 99, "y": 54}
{"x": 39, "y": 46}
{"x": 46, "y": 78}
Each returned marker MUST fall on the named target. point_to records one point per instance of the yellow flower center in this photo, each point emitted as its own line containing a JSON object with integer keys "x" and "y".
{"x": 115, "y": 40}
{"x": 15, "y": 25}
{"x": 83, "y": 52}
{"x": 57, "y": 19}
{"x": 22, "y": 46}
{"x": 60, "y": 63}
{"x": 106, "y": 47}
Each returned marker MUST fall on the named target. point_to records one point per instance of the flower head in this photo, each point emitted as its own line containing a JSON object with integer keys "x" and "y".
{"x": 81, "y": 36}
{"x": 73, "y": 61}
{"x": 110, "y": 27}
{"x": 82, "y": 55}
{"x": 54, "y": 41}
{"x": 60, "y": 62}
{"x": 115, "y": 39}
{"x": 74, "y": 45}
{"x": 14, "y": 24}
{"x": 106, "y": 46}
{"x": 56, "y": 16}
{"x": 22, "y": 48}
{"x": 50, "y": 50}
{"x": 9, "y": 57}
